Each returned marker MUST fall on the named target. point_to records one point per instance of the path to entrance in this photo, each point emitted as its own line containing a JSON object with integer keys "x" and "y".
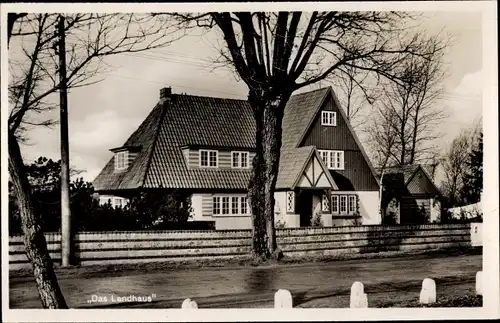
{"x": 252, "y": 286}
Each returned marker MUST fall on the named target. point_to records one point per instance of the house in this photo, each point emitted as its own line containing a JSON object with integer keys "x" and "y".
{"x": 204, "y": 146}
{"x": 410, "y": 194}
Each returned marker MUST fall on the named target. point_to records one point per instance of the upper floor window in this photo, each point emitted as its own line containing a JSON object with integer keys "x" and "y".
{"x": 208, "y": 158}
{"x": 240, "y": 159}
{"x": 334, "y": 159}
{"x": 121, "y": 160}
{"x": 328, "y": 118}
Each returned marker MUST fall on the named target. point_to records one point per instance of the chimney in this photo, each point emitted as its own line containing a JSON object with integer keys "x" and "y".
{"x": 165, "y": 93}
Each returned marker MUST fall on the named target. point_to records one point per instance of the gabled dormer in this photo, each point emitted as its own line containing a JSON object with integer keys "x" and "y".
{"x": 124, "y": 156}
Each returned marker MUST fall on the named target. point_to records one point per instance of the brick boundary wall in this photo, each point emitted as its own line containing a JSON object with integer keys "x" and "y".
{"x": 148, "y": 246}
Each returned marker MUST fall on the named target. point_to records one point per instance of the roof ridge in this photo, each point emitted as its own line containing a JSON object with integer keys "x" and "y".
{"x": 207, "y": 97}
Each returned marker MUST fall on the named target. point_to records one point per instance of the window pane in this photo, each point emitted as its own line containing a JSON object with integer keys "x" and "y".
{"x": 216, "y": 206}
{"x": 343, "y": 204}
{"x": 203, "y": 158}
{"x": 234, "y": 205}
{"x": 225, "y": 205}
{"x": 236, "y": 159}
{"x": 244, "y": 160}
{"x": 352, "y": 203}
{"x": 213, "y": 159}
{"x": 335, "y": 204}
{"x": 244, "y": 205}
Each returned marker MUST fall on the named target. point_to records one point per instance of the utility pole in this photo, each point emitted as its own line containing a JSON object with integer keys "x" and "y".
{"x": 66, "y": 237}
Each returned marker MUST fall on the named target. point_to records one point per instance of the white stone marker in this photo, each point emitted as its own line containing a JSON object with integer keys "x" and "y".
{"x": 283, "y": 299}
{"x": 428, "y": 292}
{"x": 188, "y": 303}
{"x": 479, "y": 283}
{"x": 358, "y": 297}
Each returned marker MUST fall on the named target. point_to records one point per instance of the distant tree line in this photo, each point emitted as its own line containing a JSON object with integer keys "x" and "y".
{"x": 145, "y": 210}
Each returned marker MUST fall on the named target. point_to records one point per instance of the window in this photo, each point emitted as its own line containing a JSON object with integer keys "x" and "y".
{"x": 208, "y": 158}
{"x": 121, "y": 160}
{"x": 290, "y": 202}
{"x": 325, "y": 206}
{"x": 104, "y": 200}
{"x": 324, "y": 156}
{"x": 352, "y": 204}
{"x": 216, "y": 205}
{"x": 328, "y": 118}
{"x": 118, "y": 202}
{"x": 230, "y": 205}
{"x": 244, "y": 205}
{"x": 234, "y": 205}
{"x": 335, "y": 204}
{"x": 225, "y": 205}
{"x": 344, "y": 204}
{"x": 240, "y": 159}
{"x": 334, "y": 159}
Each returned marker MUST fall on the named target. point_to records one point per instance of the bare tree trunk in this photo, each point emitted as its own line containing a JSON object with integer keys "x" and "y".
{"x": 268, "y": 116}
{"x": 34, "y": 240}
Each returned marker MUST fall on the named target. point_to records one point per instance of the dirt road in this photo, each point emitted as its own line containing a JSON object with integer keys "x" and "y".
{"x": 255, "y": 286}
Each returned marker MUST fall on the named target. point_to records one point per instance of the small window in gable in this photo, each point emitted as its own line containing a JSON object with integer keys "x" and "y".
{"x": 208, "y": 158}
{"x": 328, "y": 118}
{"x": 121, "y": 160}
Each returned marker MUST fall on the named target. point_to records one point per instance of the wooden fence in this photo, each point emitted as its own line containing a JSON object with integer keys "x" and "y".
{"x": 147, "y": 246}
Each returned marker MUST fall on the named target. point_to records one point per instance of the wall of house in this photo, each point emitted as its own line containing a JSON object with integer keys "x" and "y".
{"x": 410, "y": 208}
{"x": 369, "y": 206}
{"x": 151, "y": 246}
{"x": 196, "y": 207}
{"x": 202, "y": 208}
{"x": 232, "y": 222}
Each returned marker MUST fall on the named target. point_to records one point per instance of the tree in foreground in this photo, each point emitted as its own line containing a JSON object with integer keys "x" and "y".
{"x": 276, "y": 54}
{"x": 33, "y": 65}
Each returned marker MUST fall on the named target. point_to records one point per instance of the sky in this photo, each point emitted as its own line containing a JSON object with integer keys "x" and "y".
{"x": 102, "y": 116}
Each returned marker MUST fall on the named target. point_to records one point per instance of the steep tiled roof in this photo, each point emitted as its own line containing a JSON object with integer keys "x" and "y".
{"x": 291, "y": 164}
{"x": 408, "y": 171}
{"x": 144, "y": 136}
{"x": 299, "y": 113}
{"x": 187, "y": 120}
